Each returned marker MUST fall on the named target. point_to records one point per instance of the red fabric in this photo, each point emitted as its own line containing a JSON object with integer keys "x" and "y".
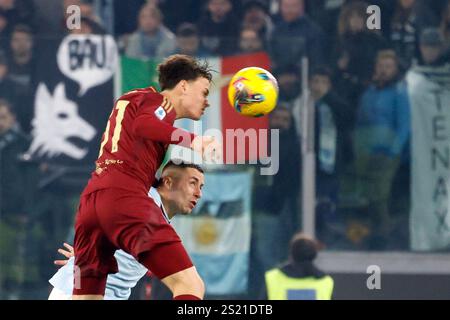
{"x": 232, "y": 120}
{"x": 110, "y": 219}
{"x": 141, "y": 139}
{"x": 186, "y": 297}
{"x": 90, "y": 285}
{"x": 146, "y": 125}
{"x": 115, "y": 210}
{"x": 166, "y": 259}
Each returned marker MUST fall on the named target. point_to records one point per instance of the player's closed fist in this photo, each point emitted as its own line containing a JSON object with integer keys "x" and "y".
{"x": 208, "y": 147}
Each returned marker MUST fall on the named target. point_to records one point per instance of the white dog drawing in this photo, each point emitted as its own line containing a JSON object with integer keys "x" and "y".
{"x": 56, "y": 120}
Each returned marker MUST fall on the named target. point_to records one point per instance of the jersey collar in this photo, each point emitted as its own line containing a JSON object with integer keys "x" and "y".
{"x": 153, "y": 193}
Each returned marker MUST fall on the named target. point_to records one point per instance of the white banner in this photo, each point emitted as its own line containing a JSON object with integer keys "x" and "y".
{"x": 429, "y": 91}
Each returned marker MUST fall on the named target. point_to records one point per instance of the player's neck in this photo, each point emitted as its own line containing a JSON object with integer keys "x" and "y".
{"x": 174, "y": 100}
{"x": 169, "y": 208}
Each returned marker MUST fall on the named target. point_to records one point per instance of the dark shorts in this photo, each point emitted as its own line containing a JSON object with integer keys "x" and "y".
{"x": 110, "y": 219}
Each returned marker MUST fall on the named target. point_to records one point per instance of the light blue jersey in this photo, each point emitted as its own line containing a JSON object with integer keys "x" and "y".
{"x": 118, "y": 285}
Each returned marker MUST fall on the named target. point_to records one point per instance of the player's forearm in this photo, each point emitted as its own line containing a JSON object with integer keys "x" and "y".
{"x": 163, "y": 132}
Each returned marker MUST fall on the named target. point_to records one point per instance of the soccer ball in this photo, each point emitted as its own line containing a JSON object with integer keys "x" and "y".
{"x": 253, "y": 92}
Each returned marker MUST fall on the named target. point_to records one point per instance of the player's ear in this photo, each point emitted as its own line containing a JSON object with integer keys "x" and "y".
{"x": 168, "y": 182}
{"x": 183, "y": 85}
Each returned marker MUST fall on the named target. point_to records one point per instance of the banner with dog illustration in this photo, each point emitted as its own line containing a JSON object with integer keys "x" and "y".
{"x": 73, "y": 98}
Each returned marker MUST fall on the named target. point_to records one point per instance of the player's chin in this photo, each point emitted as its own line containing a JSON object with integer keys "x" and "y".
{"x": 187, "y": 210}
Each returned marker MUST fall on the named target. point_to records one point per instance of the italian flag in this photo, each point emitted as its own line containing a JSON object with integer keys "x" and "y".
{"x": 220, "y": 116}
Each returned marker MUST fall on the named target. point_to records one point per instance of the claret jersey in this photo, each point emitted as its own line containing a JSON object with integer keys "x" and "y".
{"x": 138, "y": 133}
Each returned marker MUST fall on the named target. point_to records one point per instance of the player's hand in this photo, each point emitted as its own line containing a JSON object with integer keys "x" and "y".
{"x": 208, "y": 147}
{"x": 68, "y": 253}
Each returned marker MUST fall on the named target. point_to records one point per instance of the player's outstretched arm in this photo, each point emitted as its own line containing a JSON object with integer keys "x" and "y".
{"x": 68, "y": 253}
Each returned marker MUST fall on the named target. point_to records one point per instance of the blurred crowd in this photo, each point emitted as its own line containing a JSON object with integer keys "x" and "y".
{"x": 356, "y": 80}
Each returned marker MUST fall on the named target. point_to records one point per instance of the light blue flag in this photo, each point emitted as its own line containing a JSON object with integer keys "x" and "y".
{"x": 217, "y": 234}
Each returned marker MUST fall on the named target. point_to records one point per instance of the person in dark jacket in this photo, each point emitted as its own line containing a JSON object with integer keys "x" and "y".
{"x": 219, "y": 28}
{"x": 256, "y": 16}
{"x": 432, "y": 47}
{"x": 9, "y": 90}
{"x": 332, "y": 146}
{"x": 295, "y": 35}
{"x": 18, "y": 232}
{"x": 408, "y": 20}
{"x": 188, "y": 41}
{"x": 355, "y": 52}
